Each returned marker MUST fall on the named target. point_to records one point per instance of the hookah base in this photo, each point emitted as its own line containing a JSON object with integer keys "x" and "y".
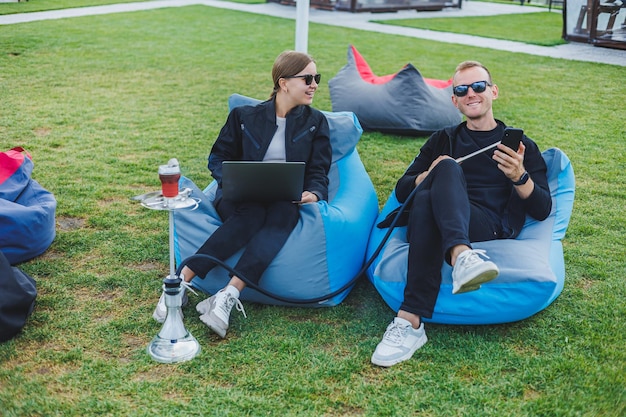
{"x": 173, "y": 351}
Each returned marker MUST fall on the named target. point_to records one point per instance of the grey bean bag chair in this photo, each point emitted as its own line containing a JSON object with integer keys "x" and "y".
{"x": 404, "y": 103}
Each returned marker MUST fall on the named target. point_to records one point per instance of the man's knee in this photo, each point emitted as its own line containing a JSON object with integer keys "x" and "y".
{"x": 449, "y": 165}
{"x": 448, "y": 171}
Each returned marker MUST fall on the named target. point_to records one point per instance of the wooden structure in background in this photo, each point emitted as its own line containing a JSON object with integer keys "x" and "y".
{"x": 379, "y": 6}
{"x": 600, "y": 22}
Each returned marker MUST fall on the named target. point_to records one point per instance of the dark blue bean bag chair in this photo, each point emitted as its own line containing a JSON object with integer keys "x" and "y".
{"x": 18, "y": 292}
{"x": 532, "y": 270}
{"x": 27, "y": 210}
{"x": 326, "y": 249}
{"x": 404, "y": 103}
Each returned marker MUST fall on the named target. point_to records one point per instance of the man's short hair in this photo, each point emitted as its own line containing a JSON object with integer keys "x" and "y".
{"x": 471, "y": 64}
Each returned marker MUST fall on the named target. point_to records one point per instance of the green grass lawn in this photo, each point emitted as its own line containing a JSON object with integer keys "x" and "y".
{"x": 535, "y": 28}
{"x": 44, "y": 5}
{"x": 542, "y": 28}
{"x": 101, "y": 101}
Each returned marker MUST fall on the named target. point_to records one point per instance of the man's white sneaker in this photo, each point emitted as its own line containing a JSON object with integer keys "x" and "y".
{"x": 399, "y": 343}
{"x": 215, "y": 310}
{"x": 470, "y": 270}
{"x": 160, "y": 312}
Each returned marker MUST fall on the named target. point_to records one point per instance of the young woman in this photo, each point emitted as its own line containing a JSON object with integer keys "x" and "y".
{"x": 283, "y": 128}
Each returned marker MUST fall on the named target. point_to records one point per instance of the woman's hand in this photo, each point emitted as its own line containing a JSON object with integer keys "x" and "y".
{"x": 308, "y": 197}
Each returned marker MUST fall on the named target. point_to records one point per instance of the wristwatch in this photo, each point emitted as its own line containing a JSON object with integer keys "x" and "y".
{"x": 523, "y": 179}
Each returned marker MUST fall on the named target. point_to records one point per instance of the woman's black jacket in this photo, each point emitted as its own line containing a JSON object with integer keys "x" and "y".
{"x": 249, "y": 130}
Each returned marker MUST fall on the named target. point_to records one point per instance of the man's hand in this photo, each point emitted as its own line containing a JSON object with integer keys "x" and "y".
{"x": 511, "y": 163}
{"x": 424, "y": 174}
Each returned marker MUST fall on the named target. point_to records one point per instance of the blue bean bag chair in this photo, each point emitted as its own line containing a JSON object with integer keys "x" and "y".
{"x": 27, "y": 210}
{"x": 532, "y": 270}
{"x": 326, "y": 249}
{"x": 404, "y": 103}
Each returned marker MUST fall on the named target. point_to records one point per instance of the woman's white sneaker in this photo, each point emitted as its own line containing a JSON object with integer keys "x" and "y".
{"x": 399, "y": 343}
{"x": 215, "y": 310}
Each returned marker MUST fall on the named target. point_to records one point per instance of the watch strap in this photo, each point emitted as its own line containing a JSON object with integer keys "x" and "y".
{"x": 523, "y": 179}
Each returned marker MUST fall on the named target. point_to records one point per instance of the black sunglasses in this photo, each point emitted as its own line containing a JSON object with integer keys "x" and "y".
{"x": 308, "y": 78}
{"x": 478, "y": 87}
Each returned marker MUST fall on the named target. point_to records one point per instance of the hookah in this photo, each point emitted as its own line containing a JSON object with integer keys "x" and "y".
{"x": 174, "y": 343}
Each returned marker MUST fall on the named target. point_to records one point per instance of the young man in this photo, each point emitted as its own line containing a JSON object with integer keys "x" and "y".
{"x": 483, "y": 198}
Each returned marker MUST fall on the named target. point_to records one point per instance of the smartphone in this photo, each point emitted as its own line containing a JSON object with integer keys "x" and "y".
{"x": 512, "y": 137}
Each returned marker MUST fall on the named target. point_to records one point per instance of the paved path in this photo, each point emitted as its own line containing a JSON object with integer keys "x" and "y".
{"x": 572, "y": 51}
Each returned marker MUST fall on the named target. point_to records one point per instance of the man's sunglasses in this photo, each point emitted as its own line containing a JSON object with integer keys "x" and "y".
{"x": 478, "y": 87}
{"x": 308, "y": 78}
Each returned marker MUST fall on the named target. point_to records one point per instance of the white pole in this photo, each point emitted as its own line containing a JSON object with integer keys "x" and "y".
{"x": 172, "y": 259}
{"x": 302, "y": 25}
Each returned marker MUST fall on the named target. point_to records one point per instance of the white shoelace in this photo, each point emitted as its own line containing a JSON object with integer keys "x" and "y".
{"x": 228, "y": 305}
{"x": 187, "y": 285}
{"x": 473, "y": 258}
{"x": 396, "y": 333}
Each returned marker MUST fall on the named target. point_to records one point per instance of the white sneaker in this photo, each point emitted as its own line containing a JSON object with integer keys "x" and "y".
{"x": 215, "y": 310}
{"x": 399, "y": 343}
{"x": 470, "y": 271}
{"x": 160, "y": 312}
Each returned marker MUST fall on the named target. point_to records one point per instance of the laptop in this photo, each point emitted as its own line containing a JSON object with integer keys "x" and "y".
{"x": 262, "y": 181}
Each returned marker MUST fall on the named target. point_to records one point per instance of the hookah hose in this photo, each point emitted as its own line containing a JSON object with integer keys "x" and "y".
{"x": 320, "y": 299}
